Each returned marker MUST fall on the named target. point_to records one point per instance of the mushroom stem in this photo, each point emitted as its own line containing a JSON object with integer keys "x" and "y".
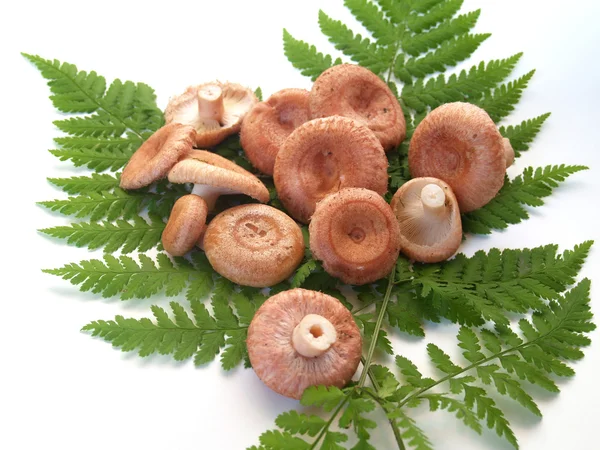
{"x": 210, "y": 194}
{"x": 313, "y": 336}
{"x": 509, "y": 153}
{"x": 433, "y": 198}
{"x": 210, "y": 105}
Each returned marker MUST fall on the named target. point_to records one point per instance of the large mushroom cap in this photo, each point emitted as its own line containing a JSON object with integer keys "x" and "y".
{"x": 272, "y": 350}
{"x": 269, "y": 123}
{"x": 429, "y": 218}
{"x": 352, "y": 91}
{"x": 460, "y": 144}
{"x": 215, "y": 110}
{"x": 157, "y": 155}
{"x": 356, "y": 235}
{"x": 254, "y": 245}
{"x": 186, "y": 223}
{"x": 326, "y": 155}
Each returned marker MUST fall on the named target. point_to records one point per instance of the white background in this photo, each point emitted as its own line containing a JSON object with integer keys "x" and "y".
{"x": 60, "y": 388}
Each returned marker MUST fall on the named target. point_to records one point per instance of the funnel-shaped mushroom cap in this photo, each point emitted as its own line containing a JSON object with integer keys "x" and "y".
{"x": 185, "y": 226}
{"x": 355, "y": 234}
{"x": 274, "y": 357}
{"x": 153, "y": 160}
{"x": 353, "y": 91}
{"x": 460, "y": 144}
{"x": 215, "y": 110}
{"x": 429, "y": 218}
{"x": 269, "y": 123}
{"x": 326, "y": 155}
{"x": 254, "y": 245}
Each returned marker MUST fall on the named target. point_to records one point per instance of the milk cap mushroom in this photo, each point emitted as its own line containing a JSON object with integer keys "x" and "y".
{"x": 429, "y": 218}
{"x": 157, "y": 155}
{"x": 460, "y": 144}
{"x": 326, "y": 155}
{"x": 352, "y": 91}
{"x": 356, "y": 236}
{"x": 186, "y": 224}
{"x": 215, "y": 110}
{"x": 269, "y": 123}
{"x": 300, "y": 338}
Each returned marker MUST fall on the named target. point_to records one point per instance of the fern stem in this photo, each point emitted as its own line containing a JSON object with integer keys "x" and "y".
{"x": 329, "y": 422}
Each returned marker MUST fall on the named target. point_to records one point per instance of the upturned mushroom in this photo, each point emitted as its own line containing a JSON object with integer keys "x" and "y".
{"x": 186, "y": 224}
{"x": 352, "y": 91}
{"x": 269, "y": 123}
{"x": 215, "y": 110}
{"x": 254, "y": 245}
{"x": 157, "y": 155}
{"x": 356, "y": 236}
{"x": 460, "y": 144}
{"x": 300, "y": 338}
{"x": 326, "y": 155}
{"x": 429, "y": 218}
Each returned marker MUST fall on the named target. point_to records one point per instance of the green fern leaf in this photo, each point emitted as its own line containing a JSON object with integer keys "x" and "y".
{"x": 296, "y": 423}
{"x": 83, "y": 184}
{"x": 373, "y": 19}
{"x": 303, "y": 272}
{"x": 276, "y": 440}
{"x": 326, "y": 397}
{"x": 397, "y": 12}
{"x": 440, "y": 12}
{"x": 305, "y": 57}
{"x": 94, "y": 159}
{"x": 423, "y": 6}
{"x": 415, "y": 437}
{"x": 522, "y": 135}
{"x": 99, "y": 125}
{"x": 501, "y": 102}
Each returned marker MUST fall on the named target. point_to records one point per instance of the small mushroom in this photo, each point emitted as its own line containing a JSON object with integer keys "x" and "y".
{"x": 269, "y": 123}
{"x": 185, "y": 226}
{"x": 429, "y": 218}
{"x": 300, "y": 338}
{"x": 326, "y": 155}
{"x": 460, "y": 144}
{"x": 215, "y": 110}
{"x": 356, "y": 236}
{"x": 352, "y": 91}
{"x": 157, "y": 155}
{"x": 214, "y": 175}
{"x": 254, "y": 245}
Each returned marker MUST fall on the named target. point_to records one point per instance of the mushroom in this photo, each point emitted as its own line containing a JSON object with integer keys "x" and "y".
{"x": 429, "y": 218}
{"x": 254, "y": 245}
{"x": 269, "y": 123}
{"x": 186, "y": 225}
{"x": 356, "y": 236}
{"x": 326, "y": 155}
{"x": 460, "y": 144}
{"x": 509, "y": 153}
{"x": 157, "y": 155}
{"x": 215, "y": 110}
{"x": 300, "y": 338}
{"x": 352, "y": 91}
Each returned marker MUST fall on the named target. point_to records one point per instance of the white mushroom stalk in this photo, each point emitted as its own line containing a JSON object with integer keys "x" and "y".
{"x": 433, "y": 198}
{"x": 313, "y": 336}
{"x": 210, "y": 194}
{"x": 210, "y": 106}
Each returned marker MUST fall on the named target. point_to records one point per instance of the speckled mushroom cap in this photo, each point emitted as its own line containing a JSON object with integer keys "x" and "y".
{"x": 269, "y": 123}
{"x": 186, "y": 224}
{"x": 254, "y": 245}
{"x": 234, "y": 103}
{"x": 427, "y": 234}
{"x": 157, "y": 155}
{"x": 356, "y": 236}
{"x": 460, "y": 144}
{"x": 326, "y": 155}
{"x": 272, "y": 353}
{"x": 352, "y": 91}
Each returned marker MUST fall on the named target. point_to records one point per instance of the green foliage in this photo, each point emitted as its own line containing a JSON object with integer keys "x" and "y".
{"x": 306, "y": 57}
{"x": 82, "y": 184}
{"x": 522, "y": 135}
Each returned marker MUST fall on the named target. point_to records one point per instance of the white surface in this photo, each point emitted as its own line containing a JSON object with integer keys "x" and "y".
{"x": 62, "y": 389}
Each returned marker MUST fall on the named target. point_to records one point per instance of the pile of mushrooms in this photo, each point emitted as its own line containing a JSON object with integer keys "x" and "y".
{"x": 325, "y": 149}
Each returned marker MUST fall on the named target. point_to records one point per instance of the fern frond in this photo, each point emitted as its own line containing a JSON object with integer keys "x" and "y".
{"x": 522, "y": 135}
{"x": 442, "y": 11}
{"x": 96, "y": 159}
{"x": 501, "y": 102}
{"x": 397, "y": 12}
{"x": 305, "y": 57}
{"x": 82, "y": 184}
{"x": 373, "y": 20}
{"x": 415, "y": 437}
{"x": 99, "y": 125}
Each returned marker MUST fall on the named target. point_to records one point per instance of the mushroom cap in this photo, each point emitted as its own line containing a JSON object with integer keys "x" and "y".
{"x": 426, "y": 236}
{"x": 274, "y": 358}
{"x": 269, "y": 123}
{"x": 155, "y": 157}
{"x": 356, "y": 236}
{"x": 460, "y": 144}
{"x": 326, "y": 155}
{"x": 237, "y": 101}
{"x": 254, "y": 245}
{"x": 203, "y": 167}
{"x": 186, "y": 223}
{"x": 352, "y": 91}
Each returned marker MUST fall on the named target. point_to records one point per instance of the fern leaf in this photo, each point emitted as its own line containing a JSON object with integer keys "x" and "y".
{"x": 414, "y": 436}
{"x": 296, "y": 423}
{"x": 501, "y": 102}
{"x": 303, "y": 272}
{"x": 373, "y": 20}
{"x": 305, "y": 57}
{"x": 98, "y": 125}
{"x": 82, "y": 184}
{"x": 442, "y": 11}
{"x": 522, "y": 135}
{"x": 397, "y": 12}
{"x": 95, "y": 159}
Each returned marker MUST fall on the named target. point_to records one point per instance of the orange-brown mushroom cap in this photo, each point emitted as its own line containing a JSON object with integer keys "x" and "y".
{"x": 326, "y": 155}
{"x": 274, "y": 358}
{"x": 186, "y": 224}
{"x": 429, "y": 232}
{"x": 460, "y": 144}
{"x": 157, "y": 155}
{"x": 352, "y": 91}
{"x": 356, "y": 236}
{"x": 254, "y": 245}
{"x": 269, "y": 123}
